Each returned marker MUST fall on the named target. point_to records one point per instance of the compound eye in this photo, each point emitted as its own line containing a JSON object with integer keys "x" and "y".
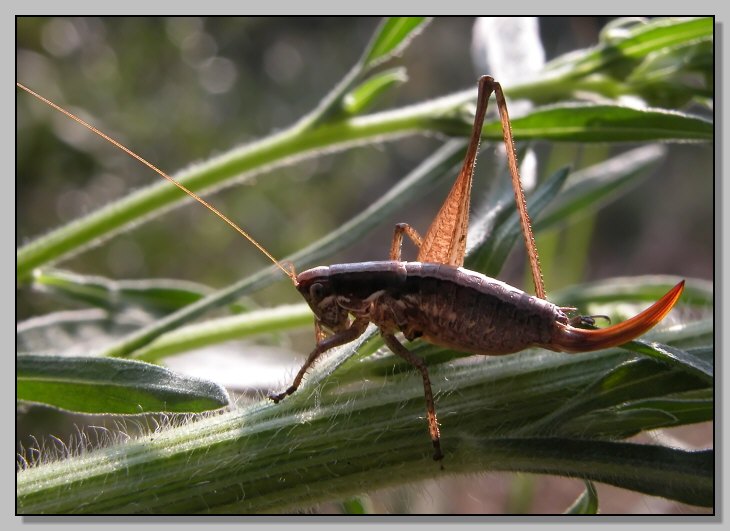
{"x": 316, "y": 291}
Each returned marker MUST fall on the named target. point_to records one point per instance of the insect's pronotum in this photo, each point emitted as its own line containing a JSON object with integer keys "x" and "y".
{"x": 435, "y": 298}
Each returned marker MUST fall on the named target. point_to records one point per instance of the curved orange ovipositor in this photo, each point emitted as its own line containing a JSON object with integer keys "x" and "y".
{"x": 572, "y": 339}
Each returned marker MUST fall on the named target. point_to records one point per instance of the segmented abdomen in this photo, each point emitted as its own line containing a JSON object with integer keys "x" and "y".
{"x": 448, "y": 306}
{"x": 468, "y": 311}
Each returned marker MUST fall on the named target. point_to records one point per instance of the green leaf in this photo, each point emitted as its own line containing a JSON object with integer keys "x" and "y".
{"x": 214, "y": 331}
{"x": 364, "y": 96}
{"x": 629, "y": 419}
{"x": 587, "y": 190}
{"x": 636, "y": 289}
{"x": 491, "y": 255}
{"x": 73, "y": 332}
{"x": 634, "y": 379}
{"x": 392, "y": 36}
{"x": 99, "y": 385}
{"x": 680, "y": 475}
{"x": 622, "y": 47}
{"x": 159, "y": 296}
{"x": 587, "y": 502}
{"x": 605, "y": 123}
{"x": 674, "y": 357}
{"x": 673, "y": 76}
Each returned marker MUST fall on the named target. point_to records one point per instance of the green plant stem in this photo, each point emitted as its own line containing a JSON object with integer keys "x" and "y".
{"x": 273, "y": 458}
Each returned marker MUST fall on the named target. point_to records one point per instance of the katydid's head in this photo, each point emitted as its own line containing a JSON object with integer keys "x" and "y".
{"x": 315, "y": 285}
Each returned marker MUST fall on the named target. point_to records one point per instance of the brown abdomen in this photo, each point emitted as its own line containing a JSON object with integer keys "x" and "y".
{"x": 467, "y": 311}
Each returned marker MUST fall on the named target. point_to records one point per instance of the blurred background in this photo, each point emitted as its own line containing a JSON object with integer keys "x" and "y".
{"x": 181, "y": 90}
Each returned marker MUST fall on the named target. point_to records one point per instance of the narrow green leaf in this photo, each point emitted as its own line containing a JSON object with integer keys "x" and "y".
{"x": 589, "y": 189}
{"x": 673, "y": 76}
{"x": 635, "y": 416}
{"x": 75, "y": 332}
{"x": 679, "y": 475}
{"x": 100, "y": 385}
{"x": 159, "y": 296}
{"x": 622, "y": 47}
{"x": 637, "y": 289}
{"x": 587, "y": 502}
{"x": 631, "y": 380}
{"x": 392, "y": 36}
{"x": 685, "y": 408}
{"x": 674, "y": 357}
{"x": 365, "y": 96}
{"x": 669, "y": 65}
{"x": 605, "y": 123}
{"x": 491, "y": 255}
{"x": 214, "y": 331}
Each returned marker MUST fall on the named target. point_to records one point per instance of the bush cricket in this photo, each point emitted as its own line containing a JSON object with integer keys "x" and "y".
{"x": 434, "y": 297}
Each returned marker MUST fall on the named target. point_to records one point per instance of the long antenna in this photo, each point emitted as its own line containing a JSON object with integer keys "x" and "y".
{"x": 288, "y": 271}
